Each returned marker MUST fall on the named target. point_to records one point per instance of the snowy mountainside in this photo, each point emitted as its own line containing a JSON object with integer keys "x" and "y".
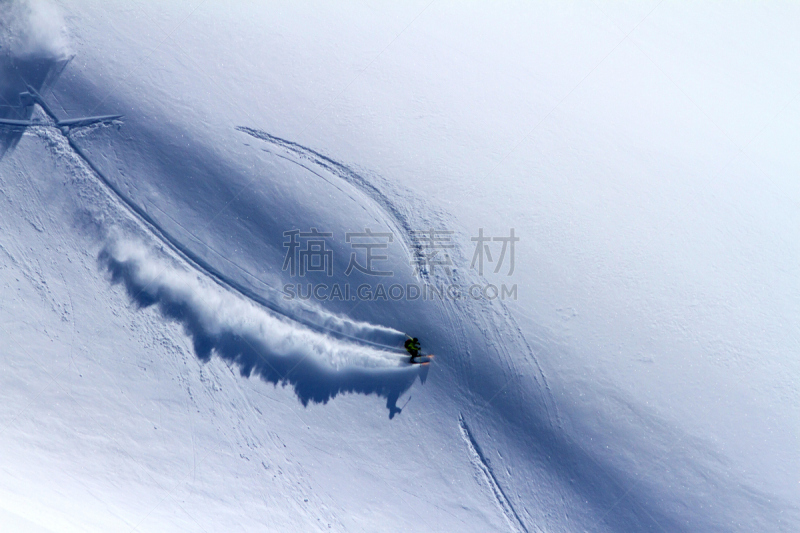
{"x": 160, "y": 377}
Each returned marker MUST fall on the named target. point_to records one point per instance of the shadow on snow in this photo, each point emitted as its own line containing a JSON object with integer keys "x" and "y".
{"x": 15, "y": 73}
{"x": 311, "y": 380}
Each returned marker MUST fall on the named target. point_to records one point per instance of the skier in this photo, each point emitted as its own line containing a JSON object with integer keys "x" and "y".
{"x": 413, "y": 347}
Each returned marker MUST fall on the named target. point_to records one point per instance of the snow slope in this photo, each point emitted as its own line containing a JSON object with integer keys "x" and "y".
{"x": 158, "y": 380}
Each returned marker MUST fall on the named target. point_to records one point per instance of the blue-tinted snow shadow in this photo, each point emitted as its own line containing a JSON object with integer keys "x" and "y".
{"x": 15, "y": 73}
{"x": 311, "y": 380}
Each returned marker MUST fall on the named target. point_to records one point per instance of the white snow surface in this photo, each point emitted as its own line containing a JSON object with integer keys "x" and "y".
{"x": 644, "y": 379}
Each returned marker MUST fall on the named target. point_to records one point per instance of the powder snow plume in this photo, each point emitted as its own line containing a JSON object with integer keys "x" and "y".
{"x": 218, "y": 312}
{"x": 258, "y": 342}
{"x": 33, "y": 28}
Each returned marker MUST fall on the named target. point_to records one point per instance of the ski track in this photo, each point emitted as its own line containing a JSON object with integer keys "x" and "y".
{"x": 389, "y": 210}
{"x": 480, "y": 462}
{"x": 300, "y": 154}
{"x": 343, "y": 172}
{"x": 319, "y": 364}
{"x": 402, "y": 223}
{"x": 196, "y": 261}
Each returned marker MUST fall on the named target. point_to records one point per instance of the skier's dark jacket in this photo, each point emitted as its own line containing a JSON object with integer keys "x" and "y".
{"x": 413, "y": 347}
